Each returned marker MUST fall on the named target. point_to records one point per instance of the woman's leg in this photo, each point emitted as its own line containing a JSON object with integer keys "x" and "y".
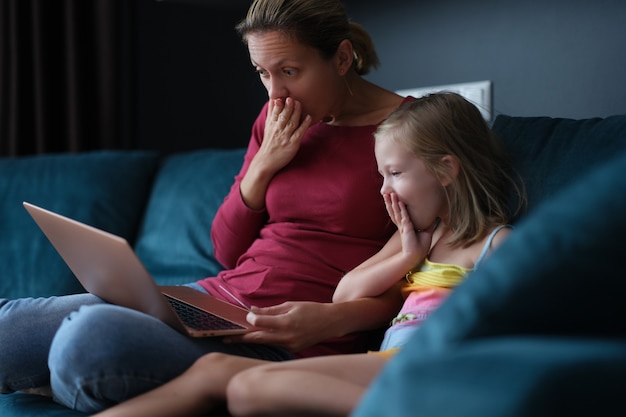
{"x": 198, "y": 390}
{"x": 324, "y": 386}
{"x": 105, "y": 354}
{"x": 27, "y": 327}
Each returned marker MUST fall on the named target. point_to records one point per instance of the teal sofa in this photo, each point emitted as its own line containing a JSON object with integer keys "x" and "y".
{"x": 543, "y": 318}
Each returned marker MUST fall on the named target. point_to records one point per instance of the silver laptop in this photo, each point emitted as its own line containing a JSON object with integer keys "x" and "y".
{"x": 107, "y": 266}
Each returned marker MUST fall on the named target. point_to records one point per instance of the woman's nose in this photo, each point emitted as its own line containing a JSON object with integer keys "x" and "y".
{"x": 276, "y": 89}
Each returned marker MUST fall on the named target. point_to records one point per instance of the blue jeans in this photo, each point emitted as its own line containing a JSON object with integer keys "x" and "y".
{"x": 95, "y": 354}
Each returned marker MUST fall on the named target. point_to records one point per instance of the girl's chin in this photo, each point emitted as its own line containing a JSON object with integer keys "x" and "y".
{"x": 432, "y": 225}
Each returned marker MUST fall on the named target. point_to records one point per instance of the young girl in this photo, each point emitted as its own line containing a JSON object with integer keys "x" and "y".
{"x": 446, "y": 188}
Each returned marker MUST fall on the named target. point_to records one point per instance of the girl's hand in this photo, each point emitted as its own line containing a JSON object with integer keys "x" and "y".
{"x": 415, "y": 243}
{"x": 283, "y": 134}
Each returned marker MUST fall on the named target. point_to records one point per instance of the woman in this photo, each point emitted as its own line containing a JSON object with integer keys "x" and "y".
{"x": 303, "y": 211}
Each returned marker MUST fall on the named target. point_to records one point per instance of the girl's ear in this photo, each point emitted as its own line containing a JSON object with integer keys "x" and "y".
{"x": 450, "y": 165}
{"x": 344, "y": 57}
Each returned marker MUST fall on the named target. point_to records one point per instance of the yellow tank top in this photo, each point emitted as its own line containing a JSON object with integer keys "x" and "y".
{"x": 433, "y": 274}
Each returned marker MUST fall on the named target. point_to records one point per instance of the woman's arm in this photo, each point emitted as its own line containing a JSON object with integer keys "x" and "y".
{"x": 296, "y": 325}
{"x": 281, "y": 140}
{"x": 242, "y": 214}
{"x": 235, "y": 225}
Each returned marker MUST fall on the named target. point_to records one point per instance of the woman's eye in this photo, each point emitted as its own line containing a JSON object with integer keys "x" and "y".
{"x": 261, "y": 72}
{"x": 289, "y": 72}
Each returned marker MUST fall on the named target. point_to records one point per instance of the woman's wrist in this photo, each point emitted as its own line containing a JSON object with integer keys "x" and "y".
{"x": 362, "y": 314}
{"x": 253, "y": 187}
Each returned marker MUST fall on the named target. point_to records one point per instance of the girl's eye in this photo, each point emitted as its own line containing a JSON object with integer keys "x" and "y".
{"x": 395, "y": 173}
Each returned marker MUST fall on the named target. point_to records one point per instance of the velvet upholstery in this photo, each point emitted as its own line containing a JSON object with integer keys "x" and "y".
{"x": 175, "y": 242}
{"x": 493, "y": 329}
{"x": 108, "y": 190}
{"x": 549, "y": 152}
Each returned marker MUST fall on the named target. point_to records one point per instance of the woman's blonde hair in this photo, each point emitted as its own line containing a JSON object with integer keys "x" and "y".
{"x": 321, "y": 24}
{"x": 443, "y": 124}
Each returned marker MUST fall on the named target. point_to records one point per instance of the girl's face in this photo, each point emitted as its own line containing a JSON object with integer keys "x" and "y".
{"x": 290, "y": 69}
{"x": 407, "y": 176}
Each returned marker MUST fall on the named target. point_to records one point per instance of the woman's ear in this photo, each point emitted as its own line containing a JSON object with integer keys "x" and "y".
{"x": 450, "y": 165}
{"x": 344, "y": 57}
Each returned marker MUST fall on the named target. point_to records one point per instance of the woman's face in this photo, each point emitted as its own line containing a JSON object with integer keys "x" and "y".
{"x": 407, "y": 176}
{"x": 288, "y": 68}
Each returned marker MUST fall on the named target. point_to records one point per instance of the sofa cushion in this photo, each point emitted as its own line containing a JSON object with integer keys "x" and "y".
{"x": 507, "y": 377}
{"x": 105, "y": 189}
{"x": 551, "y": 152}
{"x": 31, "y": 405}
{"x": 175, "y": 241}
{"x": 560, "y": 273}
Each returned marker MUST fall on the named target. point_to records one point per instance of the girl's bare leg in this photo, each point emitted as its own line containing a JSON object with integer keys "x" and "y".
{"x": 324, "y": 386}
{"x": 197, "y": 390}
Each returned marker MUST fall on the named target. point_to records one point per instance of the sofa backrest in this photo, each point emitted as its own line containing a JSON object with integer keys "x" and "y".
{"x": 549, "y": 153}
{"x": 106, "y": 189}
{"x": 174, "y": 242}
{"x": 165, "y": 206}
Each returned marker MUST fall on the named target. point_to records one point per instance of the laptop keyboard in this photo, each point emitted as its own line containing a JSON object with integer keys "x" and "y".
{"x": 198, "y": 319}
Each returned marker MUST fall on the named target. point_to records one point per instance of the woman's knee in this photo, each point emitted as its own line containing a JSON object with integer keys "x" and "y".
{"x": 33, "y": 322}
{"x": 80, "y": 339}
{"x": 96, "y": 357}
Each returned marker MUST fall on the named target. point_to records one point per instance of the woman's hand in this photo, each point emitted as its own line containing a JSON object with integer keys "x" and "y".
{"x": 283, "y": 133}
{"x": 290, "y": 325}
{"x": 296, "y": 325}
{"x": 282, "y": 137}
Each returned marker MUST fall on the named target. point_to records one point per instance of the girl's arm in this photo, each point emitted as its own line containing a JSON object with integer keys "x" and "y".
{"x": 406, "y": 248}
{"x": 377, "y": 274}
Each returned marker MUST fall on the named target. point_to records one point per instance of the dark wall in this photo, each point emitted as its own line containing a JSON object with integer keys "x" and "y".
{"x": 559, "y": 58}
{"x": 194, "y": 85}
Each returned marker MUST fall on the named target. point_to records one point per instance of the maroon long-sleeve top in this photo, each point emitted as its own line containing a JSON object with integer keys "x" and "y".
{"x": 324, "y": 215}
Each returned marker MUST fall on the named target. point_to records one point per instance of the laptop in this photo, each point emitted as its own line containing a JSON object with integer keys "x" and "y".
{"x": 107, "y": 266}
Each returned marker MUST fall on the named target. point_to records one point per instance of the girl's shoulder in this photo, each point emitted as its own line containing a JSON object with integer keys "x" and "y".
{"x": 497, "y": 235}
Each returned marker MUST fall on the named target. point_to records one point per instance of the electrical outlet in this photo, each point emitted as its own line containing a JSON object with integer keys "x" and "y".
{"x": 478, "y": 92}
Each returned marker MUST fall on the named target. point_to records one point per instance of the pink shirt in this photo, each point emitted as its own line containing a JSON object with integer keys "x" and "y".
{"x": 324, "y": 215}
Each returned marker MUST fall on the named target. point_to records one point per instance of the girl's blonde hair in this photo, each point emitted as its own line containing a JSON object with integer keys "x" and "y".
{"x": 321, "y": 24}
{"x": 443, "y": 124}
